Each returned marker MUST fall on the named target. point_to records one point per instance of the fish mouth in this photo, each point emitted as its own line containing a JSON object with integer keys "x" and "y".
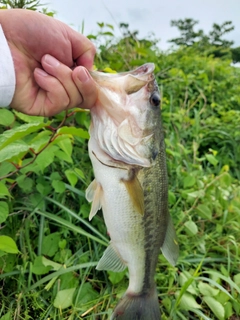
{"x": 145, "y": 69}
{"x": 142, "y": 73}
{"x": 131, "y": 81}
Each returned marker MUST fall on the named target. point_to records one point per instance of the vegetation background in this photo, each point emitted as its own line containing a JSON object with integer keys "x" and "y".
{"x": 49, "y": 250}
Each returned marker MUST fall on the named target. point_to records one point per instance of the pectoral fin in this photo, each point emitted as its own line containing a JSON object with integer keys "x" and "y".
{"x": 111, "y": 260}
{"x": 170, "y": 247}
{"x": 94, "y": 194}
{"x": 135, "y": 192}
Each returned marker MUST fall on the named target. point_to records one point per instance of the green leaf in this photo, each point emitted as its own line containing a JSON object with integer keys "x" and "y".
{"x": 207, "y": 290}
{"x": 222, "y": 297}
{"x": 17, "y": 133}
{"x": 40, "y": 140}
{"x": 211, "y": 159}
{"x": 64, "y": 298}
{"x": 55, "y": 176}
{"x": 7, "y": 316}
{"x": 188, "y": 181}
{"x": 236, "y": 279}
{"x": 6, "y": 117}
{"x": 8, "y": 245}
{"x": 63, "y": 156}
{"x": 171, "y": 197}
{"x": 196, "y": 194}
{"x": 215, "y": 306}
{"x": 13, "y": 150}
{"x": 45, "y": 158}
{"x": 78, "y": 132}
{"x": 66, "y": 146}
{"x": 228, "y": 310}
{"x": 225, "y": 180}
{"x": 25, "y": 183}
{"x": 204, "y": 211}
{"x": 86, "y": 294}
{"x": 5, "y": 168}
{"x": 68, "y": 280}
{"x": 191, "y": 227}
{"x": 39, "y": 268}
{"x": 188, "y": 302}
{"x": 71, "y": 176}
{"x": 27, "y": 118}
{"x": 4, "y": 211}
{"x": 43, "y": 188}
{"x": 46, "y": 262}
{"x": 183, "y": 278}
{"x": 50, "y": 244}
{"x": 109, "y": 26}
{"x": 79, "y": 173}
{"x": 101, "y": 24}
{"x": 116, "y": 277}
{"x": 4, "y": 190}
{"x": 59, "y": 186}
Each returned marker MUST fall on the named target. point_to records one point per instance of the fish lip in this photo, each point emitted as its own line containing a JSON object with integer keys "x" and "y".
{"x": 143, "y": 70}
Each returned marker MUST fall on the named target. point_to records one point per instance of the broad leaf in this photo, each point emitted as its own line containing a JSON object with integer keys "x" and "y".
{"x": 64, "y": 298}
{"x": 4, "y": 210}
{"x": 8, "y": 245}
{"x": 12, "y": 150}
{"x": 6, "y": 117}
{"x": 17, "y": 133}
{"x": 216, "y": 307}
{"x": 78, "y": 132}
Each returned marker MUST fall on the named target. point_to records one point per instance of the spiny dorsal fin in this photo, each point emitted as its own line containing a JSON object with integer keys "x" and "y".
{"x": 111, "y": 260}
{"x": 94, "y": 194}
{"x": 170, "y": 247}
{"x": 135, "y": 192}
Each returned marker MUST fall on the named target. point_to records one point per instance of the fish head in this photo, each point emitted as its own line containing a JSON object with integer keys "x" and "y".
{"x": 126, "y": 117}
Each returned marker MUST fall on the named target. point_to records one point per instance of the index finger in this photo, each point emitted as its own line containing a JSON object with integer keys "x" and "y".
{"x": 83, "y": 50}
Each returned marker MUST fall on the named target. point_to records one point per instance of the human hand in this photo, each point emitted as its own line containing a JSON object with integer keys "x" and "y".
{"x": 44, "y": 51}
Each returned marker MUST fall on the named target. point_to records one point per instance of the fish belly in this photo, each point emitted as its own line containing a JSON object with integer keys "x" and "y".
{"x": 123, "y": 222}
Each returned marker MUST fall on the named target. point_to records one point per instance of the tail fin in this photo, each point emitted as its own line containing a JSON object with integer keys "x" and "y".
{"x": 138, "y": 307}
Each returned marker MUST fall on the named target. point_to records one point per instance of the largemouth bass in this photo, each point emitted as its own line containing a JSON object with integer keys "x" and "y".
{"x": 127, "y": 152}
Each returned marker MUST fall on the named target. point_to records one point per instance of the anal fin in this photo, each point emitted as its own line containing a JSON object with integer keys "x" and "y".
{"x": 170, "y": 248}
{"x": 111, "y": 260}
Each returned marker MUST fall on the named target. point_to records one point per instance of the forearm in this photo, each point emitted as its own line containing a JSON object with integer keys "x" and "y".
{"x": 7, "y": 72}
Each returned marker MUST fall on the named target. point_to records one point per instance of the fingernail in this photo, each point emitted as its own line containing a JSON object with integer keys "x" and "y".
{"x": 83, "y": 75}
{"x": 41, "y": 72}
{"x": 51, "y": 61}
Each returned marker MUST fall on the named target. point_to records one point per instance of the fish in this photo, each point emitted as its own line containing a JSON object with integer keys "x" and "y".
{"x": 127, "y": 151}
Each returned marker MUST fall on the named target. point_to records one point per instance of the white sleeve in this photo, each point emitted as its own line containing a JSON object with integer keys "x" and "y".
{"x": 7, "y": 72}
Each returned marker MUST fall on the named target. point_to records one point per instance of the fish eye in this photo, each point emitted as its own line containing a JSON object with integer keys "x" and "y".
{"x": 155, "y": 99}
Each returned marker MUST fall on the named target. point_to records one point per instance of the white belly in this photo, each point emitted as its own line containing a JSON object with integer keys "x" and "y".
{"x": 123, "y": 222}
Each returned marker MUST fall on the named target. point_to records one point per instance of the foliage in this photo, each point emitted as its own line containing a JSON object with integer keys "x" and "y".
{"x": 214, "y": 40}
{"x": 49, "y": 250}
{"x": 189, "y": 36}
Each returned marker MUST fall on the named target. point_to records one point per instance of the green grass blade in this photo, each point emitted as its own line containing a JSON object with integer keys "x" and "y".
{"x": 76, "y": 216}
{"x": 61, "y": 271}
{"x": 71, "y": 226}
